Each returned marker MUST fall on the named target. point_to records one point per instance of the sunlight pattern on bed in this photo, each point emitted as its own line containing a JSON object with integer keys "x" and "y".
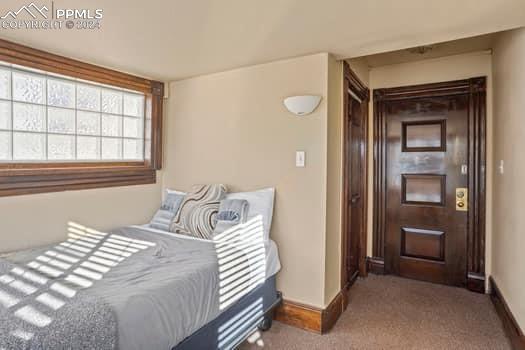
{"x": 34, "y": 292}
{"x": 241, "y": 256}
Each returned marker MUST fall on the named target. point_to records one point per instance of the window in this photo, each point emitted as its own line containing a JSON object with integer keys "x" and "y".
{"x": 65, "y": 124}
{"x": 48, "y": 118}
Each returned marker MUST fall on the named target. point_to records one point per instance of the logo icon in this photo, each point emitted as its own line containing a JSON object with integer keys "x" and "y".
{"x": 31, "y": 9}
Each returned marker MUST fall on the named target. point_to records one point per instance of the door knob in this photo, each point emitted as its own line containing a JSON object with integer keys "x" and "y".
{"x": 461, "y": 199}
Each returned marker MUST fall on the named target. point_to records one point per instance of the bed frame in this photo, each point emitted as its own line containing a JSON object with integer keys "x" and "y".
{"x": 233, "y": 326}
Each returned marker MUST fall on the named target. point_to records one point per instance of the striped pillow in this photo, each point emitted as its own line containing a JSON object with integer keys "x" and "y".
{"x": 197, "y": 215}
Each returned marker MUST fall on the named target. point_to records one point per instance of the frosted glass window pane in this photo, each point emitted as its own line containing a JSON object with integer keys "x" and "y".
{"x": 60, "y": 93}
{"x": 5, "y": 84}
{"x": 46, "y": 117}
{"x": 28, "y": 88}
{"x": 133, "y": 105}
{"x": 61, "y": 147}
{"x": 5, "y": 145}
{"x": 61, "y": 120}
{"x": 133, "y": 149}
{"x": 111, "y": 125}
{"x": 111, "y": 102}
{"x": 88, "y": 123}
{"x": 88, "y": 148}
{"x": 5, "y": 115}
{"x": 29, "y": 146}
{"x": 132, "y": 127}
{"x": 29, "y": 117}
{"x": 88, "y": 97}
{"x": 111, "y": 148}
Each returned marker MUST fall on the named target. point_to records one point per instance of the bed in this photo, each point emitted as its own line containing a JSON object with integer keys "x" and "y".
{"x": 138, "y": 288}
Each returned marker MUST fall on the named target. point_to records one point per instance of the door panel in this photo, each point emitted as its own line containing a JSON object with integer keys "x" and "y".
{"x": 426, "y": 146}
{"x": 424, "y": 244}
{"x": 355, "y": 207}
{"x": 354, "y": 224}
{"x": 424, "y": 189}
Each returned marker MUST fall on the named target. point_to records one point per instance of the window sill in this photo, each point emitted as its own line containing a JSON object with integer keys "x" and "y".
{"x": 39, "y": 178}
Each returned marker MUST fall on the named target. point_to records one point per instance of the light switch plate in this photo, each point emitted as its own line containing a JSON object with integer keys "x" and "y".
{"x": 300, "y": 159}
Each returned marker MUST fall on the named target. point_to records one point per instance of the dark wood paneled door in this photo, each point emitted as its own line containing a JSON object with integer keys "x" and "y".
{"x": 354, "y": 201}
{"x": 426, "y": 188}
{"x": 354, "y": 143}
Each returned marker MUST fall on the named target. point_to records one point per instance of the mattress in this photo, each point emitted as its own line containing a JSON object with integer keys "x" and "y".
{"x": 162, "y": 288}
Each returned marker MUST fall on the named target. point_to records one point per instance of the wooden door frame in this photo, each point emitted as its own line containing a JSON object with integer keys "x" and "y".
{"x": 351, "y": 83}
{"x": 476, "y": 89}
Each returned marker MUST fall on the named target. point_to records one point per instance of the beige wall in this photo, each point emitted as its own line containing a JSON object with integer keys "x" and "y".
{"x": 508, "y": 262}
{"x": 33, "y": 220}
{"x": 437, "y": 70}
{"x": 232, "y": 128}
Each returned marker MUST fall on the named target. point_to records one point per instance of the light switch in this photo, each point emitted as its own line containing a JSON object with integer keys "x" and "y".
{"x": 299, "y": 159}
{"x": 501, "y": 167}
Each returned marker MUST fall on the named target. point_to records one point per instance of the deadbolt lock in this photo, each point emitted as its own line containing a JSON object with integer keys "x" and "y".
{"x": 461, "y": 199}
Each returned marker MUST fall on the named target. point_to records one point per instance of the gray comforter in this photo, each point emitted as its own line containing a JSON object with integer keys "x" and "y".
{"x": 130, "y": 289}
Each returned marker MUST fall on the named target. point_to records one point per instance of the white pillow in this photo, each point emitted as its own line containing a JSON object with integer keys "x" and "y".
{"x": 260, "y": 203}
{"x": 176, "y": 192}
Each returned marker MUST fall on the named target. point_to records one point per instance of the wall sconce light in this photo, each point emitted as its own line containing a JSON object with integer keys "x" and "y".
{"x": 302, "y": 105}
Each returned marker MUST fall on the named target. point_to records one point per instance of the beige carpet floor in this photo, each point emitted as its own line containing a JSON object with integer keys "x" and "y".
{"x": 387, "y": 312}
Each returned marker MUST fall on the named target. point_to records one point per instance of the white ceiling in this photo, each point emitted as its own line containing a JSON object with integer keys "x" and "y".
{"x": 170, "y": 40}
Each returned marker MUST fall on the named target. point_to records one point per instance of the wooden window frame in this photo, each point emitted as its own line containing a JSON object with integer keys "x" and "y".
{"x": 26, "y": 178}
